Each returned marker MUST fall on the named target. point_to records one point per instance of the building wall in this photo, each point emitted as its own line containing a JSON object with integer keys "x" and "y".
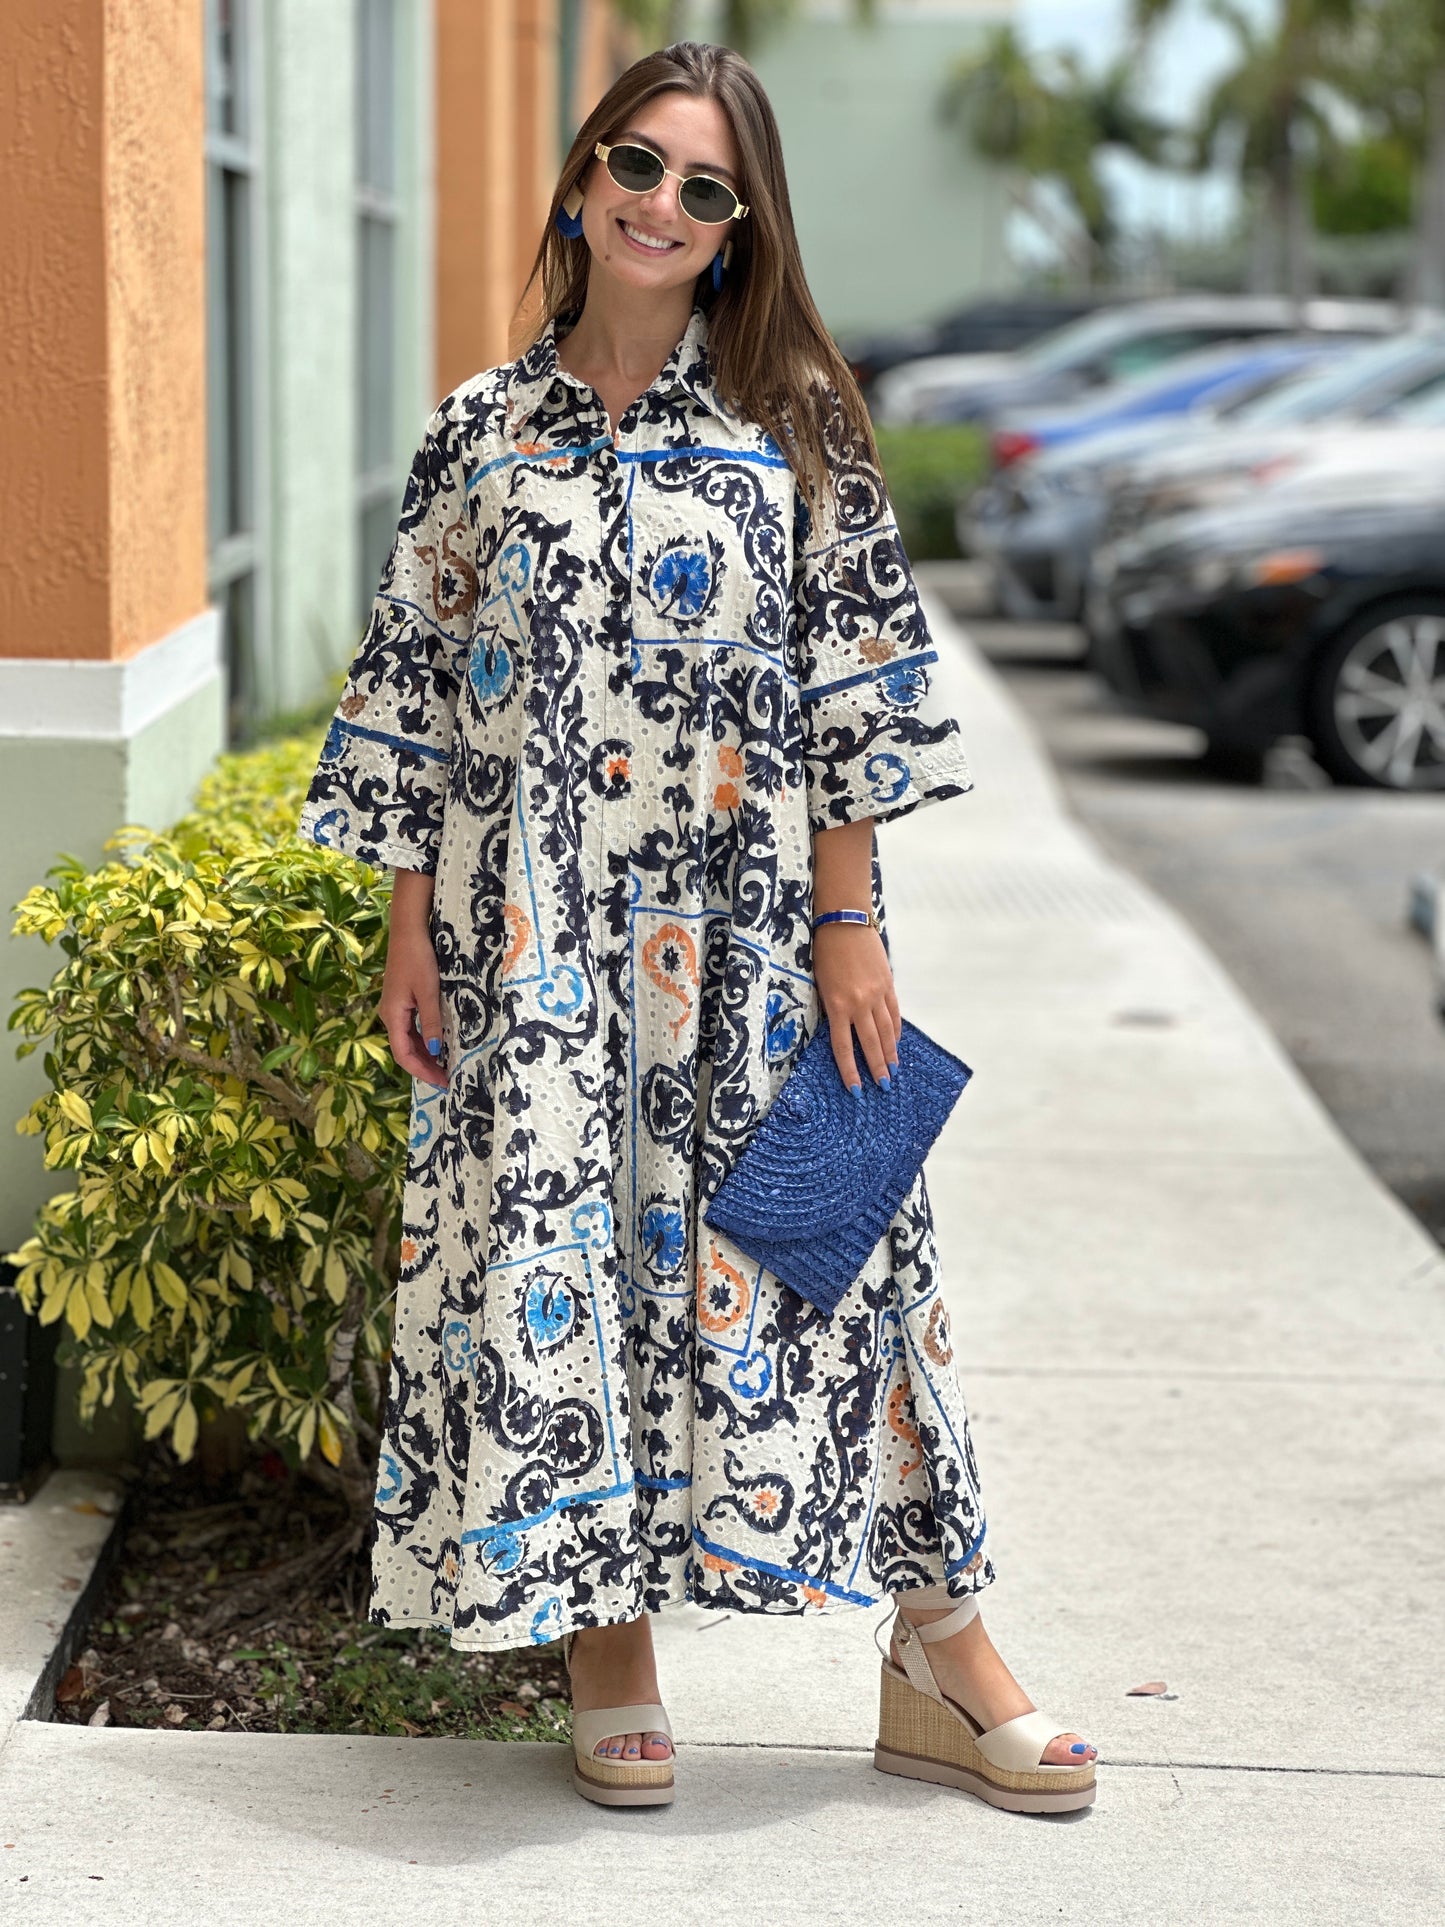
{"x": 310, "y": 527}
{"x": 110, "y": 691}
{"x": 897, "y": 220}
{"x": 311, "y": 536}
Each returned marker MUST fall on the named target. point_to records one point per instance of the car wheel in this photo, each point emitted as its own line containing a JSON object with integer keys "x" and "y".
{"x": 1376, "y": 705}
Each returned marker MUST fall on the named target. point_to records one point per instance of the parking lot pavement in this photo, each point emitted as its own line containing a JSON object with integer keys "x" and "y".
{"x": 1203, "y": 1349}
{"x": 1300, "y": 887}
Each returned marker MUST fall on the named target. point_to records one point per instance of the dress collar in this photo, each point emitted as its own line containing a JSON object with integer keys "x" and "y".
{"x": 536, "y": 371}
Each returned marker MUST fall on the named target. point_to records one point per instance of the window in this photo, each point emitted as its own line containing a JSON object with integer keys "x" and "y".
{"x": 378, "y": 481}
{"x": 233, "y": 413}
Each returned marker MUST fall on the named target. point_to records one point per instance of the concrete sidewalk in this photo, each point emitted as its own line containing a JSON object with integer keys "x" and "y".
{"x": 1204, "y": 1352}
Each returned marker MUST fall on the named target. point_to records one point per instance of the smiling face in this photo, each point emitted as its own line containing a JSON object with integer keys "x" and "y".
{"x": 691, "y": 136}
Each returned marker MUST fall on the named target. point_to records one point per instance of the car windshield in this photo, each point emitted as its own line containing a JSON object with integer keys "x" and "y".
{"x": 1332, "y": 390}
{"x": 1425, "y": 408}
{"x": 1077, "y": 341}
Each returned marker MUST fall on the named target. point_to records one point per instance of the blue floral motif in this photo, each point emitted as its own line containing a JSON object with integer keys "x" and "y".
{"x": 664, "y": 1238}
{"x": 607, "y": 695}
{"x": 681, "y": 581}
{"x": 490, "y": 670}
{"x": 550, "y": 1307}
{"x": 782, "y": 1024}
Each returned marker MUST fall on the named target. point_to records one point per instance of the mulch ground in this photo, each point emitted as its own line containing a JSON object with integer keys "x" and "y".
{"x": 303, "y": 1664}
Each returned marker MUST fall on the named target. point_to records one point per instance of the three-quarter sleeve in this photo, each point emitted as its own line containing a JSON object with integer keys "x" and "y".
{"x": 877, "y": 740}
{"x": 380, "y": 785}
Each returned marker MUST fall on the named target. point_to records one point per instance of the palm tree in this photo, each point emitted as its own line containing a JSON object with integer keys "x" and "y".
{"x": 1272, "y": 112}
{"x": 1396, "y": 63}
{"x": 1050, "y": 121}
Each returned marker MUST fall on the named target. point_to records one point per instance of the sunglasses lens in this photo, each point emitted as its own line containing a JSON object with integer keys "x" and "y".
{"x": 634, "y": 168}
{"x": 707, "y": 200}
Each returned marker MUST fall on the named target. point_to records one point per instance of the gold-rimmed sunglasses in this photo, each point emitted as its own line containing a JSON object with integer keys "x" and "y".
{"x": 637, "y": 170}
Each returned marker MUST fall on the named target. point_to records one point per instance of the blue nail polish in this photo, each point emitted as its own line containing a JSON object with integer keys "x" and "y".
{"x": 856, "y": 1089}
{"x": 434, "y": 1045}
{"x": 1078, "y": 1747}
{"x": 886, "y": 1082}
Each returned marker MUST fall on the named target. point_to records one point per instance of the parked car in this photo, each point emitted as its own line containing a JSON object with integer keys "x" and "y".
{"x": 1318, "y": 609}
{"x": 1276, "y": 432}
{"x": 997, "y": 325}
{"x": 1126, "y": 340}
{"x": 1038, "y": 519}
{"x": 1202, "y": 385}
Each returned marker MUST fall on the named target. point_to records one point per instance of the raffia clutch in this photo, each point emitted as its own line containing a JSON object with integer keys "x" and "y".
{"x": 822, "y": 1177}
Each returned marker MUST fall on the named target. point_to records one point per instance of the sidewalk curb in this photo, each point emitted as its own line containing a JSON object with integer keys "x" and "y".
{"x": 56, "y": 1554}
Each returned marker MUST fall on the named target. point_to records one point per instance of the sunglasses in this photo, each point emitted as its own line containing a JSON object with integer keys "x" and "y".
{"x": 637, "y": 170}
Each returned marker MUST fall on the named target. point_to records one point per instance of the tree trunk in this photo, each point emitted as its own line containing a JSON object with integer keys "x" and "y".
{"x": 1298, "y": 225}
{"x": 1428, "y": 279}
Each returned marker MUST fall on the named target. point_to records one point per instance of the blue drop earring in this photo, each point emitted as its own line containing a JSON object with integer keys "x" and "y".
{"x": 569, "y": 214}
{"x": 719, "y": 261}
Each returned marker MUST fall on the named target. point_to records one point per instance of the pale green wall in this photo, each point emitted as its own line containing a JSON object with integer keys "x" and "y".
{"x": 311, "y": 317}
{"x": 312, "y": 324}
{"x": 897, "y": 220}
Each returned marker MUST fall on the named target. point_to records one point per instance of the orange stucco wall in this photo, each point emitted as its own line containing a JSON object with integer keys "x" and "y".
{"x": 102, "y": 315}
{"x": 498, "y": 149}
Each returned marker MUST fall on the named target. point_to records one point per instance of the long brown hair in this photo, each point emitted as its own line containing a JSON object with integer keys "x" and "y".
{"x": 770, "y": 355}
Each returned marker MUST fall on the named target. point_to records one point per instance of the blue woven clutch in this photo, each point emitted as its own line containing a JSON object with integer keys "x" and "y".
{"x": 822, "y": 1177}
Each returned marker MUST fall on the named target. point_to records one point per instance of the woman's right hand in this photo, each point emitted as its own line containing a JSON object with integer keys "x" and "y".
{"x": 411, "y": 984}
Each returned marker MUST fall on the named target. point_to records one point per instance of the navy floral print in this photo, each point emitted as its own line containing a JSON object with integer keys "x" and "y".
{"x": 611, "y": 685}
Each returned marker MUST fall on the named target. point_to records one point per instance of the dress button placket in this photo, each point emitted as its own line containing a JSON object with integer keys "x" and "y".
{"x": 617, "y": 813}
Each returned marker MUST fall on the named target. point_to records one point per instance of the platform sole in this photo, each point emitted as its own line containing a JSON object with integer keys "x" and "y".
{"x": 660, "y": 1794}
{"x": 910, "y": 1766}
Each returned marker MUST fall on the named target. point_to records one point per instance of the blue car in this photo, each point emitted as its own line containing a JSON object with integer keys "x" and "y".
{"x": 1209, "y": 381}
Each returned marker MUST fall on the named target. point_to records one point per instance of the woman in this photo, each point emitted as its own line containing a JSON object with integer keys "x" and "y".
{"x": 646, "y": 666}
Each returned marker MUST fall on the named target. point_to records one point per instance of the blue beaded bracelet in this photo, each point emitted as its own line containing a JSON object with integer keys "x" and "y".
{"x": 846, "y": 916}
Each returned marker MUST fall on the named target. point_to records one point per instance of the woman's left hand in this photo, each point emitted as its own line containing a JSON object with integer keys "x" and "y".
{"x": 855, "y": 986}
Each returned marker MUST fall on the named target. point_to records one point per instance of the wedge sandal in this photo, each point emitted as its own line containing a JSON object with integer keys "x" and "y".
{"x": 925, "y": 1735}
{"x": 618, "y": 1783}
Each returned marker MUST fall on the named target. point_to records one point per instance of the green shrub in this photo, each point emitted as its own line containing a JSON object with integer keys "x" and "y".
{"x": 927, "y": 468}
{"x": 226, "y": 1098}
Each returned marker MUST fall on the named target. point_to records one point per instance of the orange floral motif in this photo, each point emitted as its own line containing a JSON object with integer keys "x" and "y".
{"x": 814, "y": 1595}
{"x": 519, "y": 929}
{"x": 670, "y": 958}
{"x": 351, "y": 706}
{"x": 722, "y": 1293}
{"x": 715, "y": 1563}
{"x": 727, "y": 795}
{"x": 408, "y": 1250}
{"x": 618, "y": 769}
{"x": 877, "y": 649}
{"x": 765, "y": 1501}
{"x": 900, "y": 1403}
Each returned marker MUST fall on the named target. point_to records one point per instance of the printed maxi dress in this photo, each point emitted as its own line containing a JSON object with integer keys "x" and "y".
{"x": 610, "y": 686}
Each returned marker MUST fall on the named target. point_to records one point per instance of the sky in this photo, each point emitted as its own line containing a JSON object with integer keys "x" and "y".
{"x": 1189, "y": 55}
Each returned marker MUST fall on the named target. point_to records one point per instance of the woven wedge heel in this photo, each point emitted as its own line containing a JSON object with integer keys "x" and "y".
{"x": 618, "y": 1783}
{"x": 925, "y": 1735}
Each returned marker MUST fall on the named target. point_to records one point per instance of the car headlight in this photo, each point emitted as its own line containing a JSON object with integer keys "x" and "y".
{"x": 1210, "y": 574}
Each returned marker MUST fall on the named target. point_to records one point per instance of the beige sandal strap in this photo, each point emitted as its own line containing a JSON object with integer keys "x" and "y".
{"x": 963, "y": 1612}
{"x": 1018, "y": 1745}
{"x": 601, "y": 1722}
{"x": 915, "y": 1662}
